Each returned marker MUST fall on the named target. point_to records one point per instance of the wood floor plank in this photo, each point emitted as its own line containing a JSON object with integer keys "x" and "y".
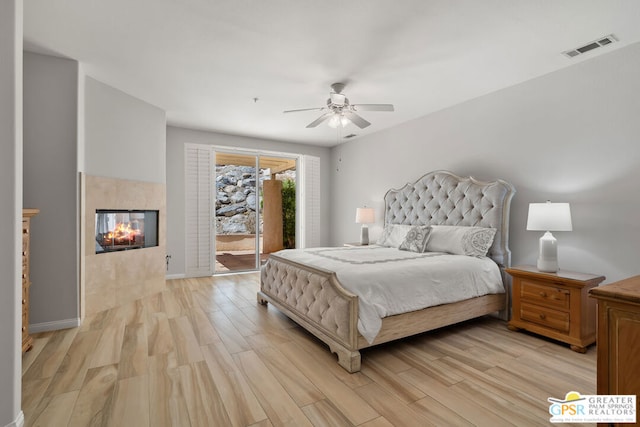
{"x": 187, "y": 347}
{"x": 323, "y": 413}
{"x": 241, "y": 322}
{"x": 33, "y": 400}
{"x": 229, "y": 335}
{"x": 39, "y": 342}
{"x": 57, "y": 411}
{"x": 202, "y": 327}
{"x": 159, "y": 337}
{"x": 167, "y": 404}
{"x": 352, "y": 406}
{"x": 204, "y": 404}
{"x": 107, "y": 351}
{"x": 527, "y": 412}
{"x": 276, "y": 402}
{"x": 131, "y": 402}
{"x": 173, "y": 307}
{"x": 435, "y": 369}
{"x": 390, "y": 407}
{"x": 240, "y": 402}
{"x": 292, "y": 379}
{"x": 439, "y": 414}
{"x": 272, "y": 319}
{"x": 51, "y": 357}
{"x": 389, "y": 380}
{"x": 442, "y": 393}
{"x": 71, "y": 372}
{"x": 503, "y": 399}
{"x": 95, "y": 399}
{"x": 383, "y": 356}
{"x": 134, "y": 354}
{"x": 377, "y": 422}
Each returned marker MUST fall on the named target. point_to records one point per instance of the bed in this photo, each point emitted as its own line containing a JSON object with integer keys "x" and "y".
{"x": 310, "y": 293}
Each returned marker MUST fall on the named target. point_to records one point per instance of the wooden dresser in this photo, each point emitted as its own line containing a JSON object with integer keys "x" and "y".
{"x": 27, "y": 214}
{"x": 555, "y": 305}
{"x": 618, "y": 339}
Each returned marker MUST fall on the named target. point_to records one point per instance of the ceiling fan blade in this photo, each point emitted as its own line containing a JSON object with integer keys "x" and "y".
{"x": 356, "y": 119}
{"x": 320, "y": 119}
{"x": 373, "y": 107}
{"x": 305, "y": 109}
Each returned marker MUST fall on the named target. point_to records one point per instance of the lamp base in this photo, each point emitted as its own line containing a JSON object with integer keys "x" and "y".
{"x": 364, "y": 235}
{"x": 548, "y": 255}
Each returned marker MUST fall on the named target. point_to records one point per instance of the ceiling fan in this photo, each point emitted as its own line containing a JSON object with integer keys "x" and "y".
{"x": 340, "y": 112}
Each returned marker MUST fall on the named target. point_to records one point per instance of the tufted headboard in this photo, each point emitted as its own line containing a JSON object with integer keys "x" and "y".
{"x": 443, "y": 198}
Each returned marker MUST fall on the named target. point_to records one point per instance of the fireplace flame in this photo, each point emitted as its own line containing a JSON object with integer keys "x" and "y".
{"x": 123, "y": 233}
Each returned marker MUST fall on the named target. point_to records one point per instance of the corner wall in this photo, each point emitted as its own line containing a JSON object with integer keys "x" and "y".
{"x": 50, "y": 184}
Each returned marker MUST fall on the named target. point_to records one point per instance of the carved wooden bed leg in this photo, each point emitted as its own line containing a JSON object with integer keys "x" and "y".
{"x": 349, "y": 360}
{"x": 261, "y": 299}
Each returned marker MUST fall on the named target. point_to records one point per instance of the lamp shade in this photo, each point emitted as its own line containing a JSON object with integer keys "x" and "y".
{"x": 365, "y": 216}
{"x": 549, "y": 217}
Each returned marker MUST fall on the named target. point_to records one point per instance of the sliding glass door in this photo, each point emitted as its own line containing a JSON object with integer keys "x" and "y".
{"x": 251, "y": 193}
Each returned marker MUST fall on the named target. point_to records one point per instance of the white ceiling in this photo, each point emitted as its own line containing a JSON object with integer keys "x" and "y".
{"x": 204, "y": 61}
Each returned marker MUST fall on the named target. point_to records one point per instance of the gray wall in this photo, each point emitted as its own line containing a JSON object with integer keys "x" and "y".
{"x": 50, "y": 184}
{"x": 125, "y": 136}
{"x": 10, "y": 209}
{"x": 177, "y": 137}
{"x": 569, "y": 136}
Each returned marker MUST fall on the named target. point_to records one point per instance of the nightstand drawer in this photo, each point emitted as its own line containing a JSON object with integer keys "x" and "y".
{"x": 547, "y": 296}
{"x": 553, "y": 319}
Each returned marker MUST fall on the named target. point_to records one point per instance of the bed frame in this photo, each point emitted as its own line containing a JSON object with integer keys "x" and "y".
{"x": 315, "y": 299}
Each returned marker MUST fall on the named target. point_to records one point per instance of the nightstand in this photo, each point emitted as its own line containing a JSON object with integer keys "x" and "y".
{"x": 555, "y": 305}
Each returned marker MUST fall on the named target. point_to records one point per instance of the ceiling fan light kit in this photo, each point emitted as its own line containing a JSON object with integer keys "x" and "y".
{"x": 341, "y": 112}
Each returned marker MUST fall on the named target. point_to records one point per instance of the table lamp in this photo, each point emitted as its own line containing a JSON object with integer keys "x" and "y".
{"x": 364, "y": 216}
{"x": 549, "y": 217}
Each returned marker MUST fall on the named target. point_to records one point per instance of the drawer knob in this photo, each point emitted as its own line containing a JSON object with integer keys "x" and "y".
{"x": 543, "y": 294}
{"x": 543, "y": 316}
{"x": 24, "y": 329}
{"x": 24, "y": 301}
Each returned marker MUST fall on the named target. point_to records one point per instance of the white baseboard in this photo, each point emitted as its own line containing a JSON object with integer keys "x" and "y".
{"x": 175, "y": 276}
{"x": 18, "y": 422}
{"x": 54, "y": 326}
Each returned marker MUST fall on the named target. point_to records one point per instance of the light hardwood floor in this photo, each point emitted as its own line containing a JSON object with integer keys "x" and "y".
{"x": 204, "y": 353}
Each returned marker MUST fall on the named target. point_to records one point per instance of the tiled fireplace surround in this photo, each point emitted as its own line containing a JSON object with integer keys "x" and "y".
{"x": 115, "y": 278}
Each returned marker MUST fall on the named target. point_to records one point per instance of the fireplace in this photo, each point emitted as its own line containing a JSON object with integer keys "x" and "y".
{"x": 119, "y": 230}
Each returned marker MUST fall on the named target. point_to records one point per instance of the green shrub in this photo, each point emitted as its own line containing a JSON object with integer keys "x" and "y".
{"x": 289, "y": 213}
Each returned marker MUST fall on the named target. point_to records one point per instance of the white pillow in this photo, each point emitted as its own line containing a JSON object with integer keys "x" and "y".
{"x": 460, "y": 240}
{"x": 416, "y": 239}
{"x": 393, "y": 235}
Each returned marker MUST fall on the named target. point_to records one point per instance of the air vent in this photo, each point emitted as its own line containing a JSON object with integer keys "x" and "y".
{"x": 351, "y": 135}
{"x": 603, "y": 41}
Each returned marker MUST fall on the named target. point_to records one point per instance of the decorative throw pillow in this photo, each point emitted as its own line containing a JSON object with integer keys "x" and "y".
{"x": 460, "y": 240}
{"x": 416, "y": 239}
{"x": 393, "y": 235}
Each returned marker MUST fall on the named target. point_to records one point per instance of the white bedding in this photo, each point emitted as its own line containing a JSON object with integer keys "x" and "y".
{"x": 389, "y": 281}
